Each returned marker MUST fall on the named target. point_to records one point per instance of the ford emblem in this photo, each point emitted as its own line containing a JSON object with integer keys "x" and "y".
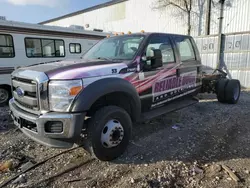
{"x": 20, "y": 92}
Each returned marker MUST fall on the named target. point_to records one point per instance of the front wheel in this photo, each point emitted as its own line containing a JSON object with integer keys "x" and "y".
{"x": 109, "y": 133}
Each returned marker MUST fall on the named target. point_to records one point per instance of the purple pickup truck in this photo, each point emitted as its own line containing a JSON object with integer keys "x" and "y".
{"x": 121, "y": 80}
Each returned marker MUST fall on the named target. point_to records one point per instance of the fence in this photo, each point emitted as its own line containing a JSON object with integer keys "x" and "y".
{"x": 234, "y": 53}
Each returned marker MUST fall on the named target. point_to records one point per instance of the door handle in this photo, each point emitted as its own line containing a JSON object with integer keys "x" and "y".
{"x": 178, "y": 67}
{"x": 178, "y": 72}
{"x": 198, "y": 69}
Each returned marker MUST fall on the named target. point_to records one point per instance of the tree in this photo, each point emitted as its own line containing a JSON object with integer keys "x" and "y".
{"x": 185, "y": 6}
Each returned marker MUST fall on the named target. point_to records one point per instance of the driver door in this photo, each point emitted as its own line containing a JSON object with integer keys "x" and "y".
{"x": 152, "y": 89}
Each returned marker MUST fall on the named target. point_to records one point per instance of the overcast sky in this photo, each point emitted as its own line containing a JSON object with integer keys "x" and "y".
{"x": 34, "y": 11}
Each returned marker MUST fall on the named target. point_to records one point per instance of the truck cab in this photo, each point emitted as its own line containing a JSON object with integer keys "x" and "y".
{"x": 120, "y": 80}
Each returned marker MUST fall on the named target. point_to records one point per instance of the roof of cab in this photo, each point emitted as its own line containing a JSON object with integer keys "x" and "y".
{"x": 150, "y": 33}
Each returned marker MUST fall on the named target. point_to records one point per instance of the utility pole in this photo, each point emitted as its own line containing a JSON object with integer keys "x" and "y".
{"x": 208, "y": 17}
{"x": 222, "y": 3}
{"x": 219, "y": 51}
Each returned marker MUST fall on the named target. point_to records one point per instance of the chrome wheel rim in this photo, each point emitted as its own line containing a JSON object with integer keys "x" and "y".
{"x": 112, "y": 134}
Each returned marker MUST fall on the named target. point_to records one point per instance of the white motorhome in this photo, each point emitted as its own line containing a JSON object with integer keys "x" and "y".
{"x": 23, "y": 44}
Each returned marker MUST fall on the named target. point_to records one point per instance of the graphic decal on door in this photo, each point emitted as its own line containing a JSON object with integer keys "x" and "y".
{"x": 148, "y": 82}
{"x": 173, "y": 86}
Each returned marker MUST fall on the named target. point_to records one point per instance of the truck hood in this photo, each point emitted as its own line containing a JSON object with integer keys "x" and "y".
{"x": 76, "y": 69}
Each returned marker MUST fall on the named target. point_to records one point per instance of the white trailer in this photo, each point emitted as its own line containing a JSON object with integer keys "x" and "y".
{"x": 23, "y": 44}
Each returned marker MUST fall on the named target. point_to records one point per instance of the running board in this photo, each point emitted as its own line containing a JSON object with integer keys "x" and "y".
{"x": 170, "y": 107}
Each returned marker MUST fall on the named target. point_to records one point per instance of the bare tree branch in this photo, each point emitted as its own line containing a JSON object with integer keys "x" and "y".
{"x": 166, "y": 3}
{"x": 186, "y": 5}
{"x": 187, "y": 8}
{"x": 190, "y": 5}
{"x": 178, "y": 6}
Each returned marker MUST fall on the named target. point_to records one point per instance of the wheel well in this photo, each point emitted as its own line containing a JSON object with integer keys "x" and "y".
{"x": 5, "y": 86}
{"x": 120, "y": 99}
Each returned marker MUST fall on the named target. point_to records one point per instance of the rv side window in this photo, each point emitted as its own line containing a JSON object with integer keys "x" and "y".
{"x": 6, "y": 46}
{"x": 59, "y": 48}
{"x": 33, "y": 47}
{"x": 36, "y": 47}
{"x": 75, "y": 48}
{"x": 48, "y": 48}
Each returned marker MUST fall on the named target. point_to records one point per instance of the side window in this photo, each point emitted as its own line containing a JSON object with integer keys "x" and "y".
{"x": 75, "y": 48}
{"x": 163, "y": 43}
{"x": 6, "y": 46}
{"x": 185, "y": 48}
{"x": 33, "y": 47}
{"x": 48, "y": 48}
{"x": 60, "y": 51}
{"x": 36, "y": 47}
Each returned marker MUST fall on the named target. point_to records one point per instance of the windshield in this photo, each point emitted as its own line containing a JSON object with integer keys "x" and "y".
{"x": 115, "y": 48}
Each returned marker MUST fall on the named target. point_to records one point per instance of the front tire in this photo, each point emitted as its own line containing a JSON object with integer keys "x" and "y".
{"x": 108, "y": 133}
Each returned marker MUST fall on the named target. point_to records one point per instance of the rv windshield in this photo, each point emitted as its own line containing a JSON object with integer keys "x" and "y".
{"x": 115, "y": 48}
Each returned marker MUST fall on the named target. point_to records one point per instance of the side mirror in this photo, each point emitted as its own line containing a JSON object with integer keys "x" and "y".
{"x": 155, "y": 58}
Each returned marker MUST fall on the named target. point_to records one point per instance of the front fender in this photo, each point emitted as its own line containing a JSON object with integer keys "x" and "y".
{"x": 105, "y": 86}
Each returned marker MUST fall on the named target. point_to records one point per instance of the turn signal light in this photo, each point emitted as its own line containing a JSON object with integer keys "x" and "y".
{"x": 75, "y": 90}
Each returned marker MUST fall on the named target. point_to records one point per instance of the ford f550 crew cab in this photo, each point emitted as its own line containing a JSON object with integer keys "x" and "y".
{"x": 122, "y": 79}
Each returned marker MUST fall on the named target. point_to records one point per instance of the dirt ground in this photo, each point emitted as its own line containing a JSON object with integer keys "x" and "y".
{"x": 187, "y": 148}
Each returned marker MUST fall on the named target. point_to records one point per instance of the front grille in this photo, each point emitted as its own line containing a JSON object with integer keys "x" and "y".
{"x": 28, "y": 125}
{"x": 23, "y": 80}
{"x": 25, "y": 105}
{"x": 25, "y": 93}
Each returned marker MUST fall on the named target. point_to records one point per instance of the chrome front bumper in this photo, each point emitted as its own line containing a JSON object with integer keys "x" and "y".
{"x": 72, "y": 126}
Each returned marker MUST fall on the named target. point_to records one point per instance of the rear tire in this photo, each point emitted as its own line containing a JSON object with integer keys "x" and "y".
{"x": 108, "y": 133}
{"x": 220, "y": 90}
{"x": 232, "y": 91}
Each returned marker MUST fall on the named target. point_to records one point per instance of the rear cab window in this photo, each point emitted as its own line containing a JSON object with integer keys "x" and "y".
{"x": 185, "y": 48}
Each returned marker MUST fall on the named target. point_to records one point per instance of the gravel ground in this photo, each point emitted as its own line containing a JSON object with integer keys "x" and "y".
{"x": 187, "y": 148}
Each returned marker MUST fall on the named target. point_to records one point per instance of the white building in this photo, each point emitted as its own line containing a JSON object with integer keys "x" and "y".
{"x": 137, "y": 15}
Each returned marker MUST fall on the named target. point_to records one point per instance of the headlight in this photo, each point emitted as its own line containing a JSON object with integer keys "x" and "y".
{"x": 62, "y": 94}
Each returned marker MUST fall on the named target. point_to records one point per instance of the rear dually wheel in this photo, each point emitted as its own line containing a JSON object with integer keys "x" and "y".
{"x": 232, "y": 91}
{"x": 228, "y": 91}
